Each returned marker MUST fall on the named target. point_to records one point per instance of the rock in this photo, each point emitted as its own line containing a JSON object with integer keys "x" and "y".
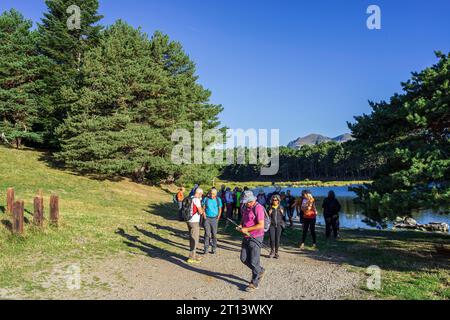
{"x": 398, "y": 220}
{"x": 410, "y": 221}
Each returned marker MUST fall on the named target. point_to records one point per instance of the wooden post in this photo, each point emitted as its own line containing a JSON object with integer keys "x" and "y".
{"x": 38, "y": 217}
{"x": 9, "y": 200}
{"x": 54, "y": 209}
{"x": 18, "y": 208}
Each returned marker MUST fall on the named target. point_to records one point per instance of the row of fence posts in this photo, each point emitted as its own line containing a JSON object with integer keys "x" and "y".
{"x": 16, "y": 209}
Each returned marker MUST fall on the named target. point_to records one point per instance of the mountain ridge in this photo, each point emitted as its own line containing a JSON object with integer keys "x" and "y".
{"x": 315, "y": 138}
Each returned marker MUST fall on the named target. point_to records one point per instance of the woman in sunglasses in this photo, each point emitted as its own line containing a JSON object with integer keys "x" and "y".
{"x": 276, "y": 213}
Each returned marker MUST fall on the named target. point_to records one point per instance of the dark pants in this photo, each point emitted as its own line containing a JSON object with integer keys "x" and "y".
{"x": 275, "y": 237}
{"x": 290, "y": 213}
{"x": 300, "y": 215}
{"x": 180, "y": 212}
{"x": 230, "y": 210}
{"x": 210, "y": 226}
{"x": 332, "y": 223}
{"x": 250, "y": 256}
{"x": 311, "y": 225}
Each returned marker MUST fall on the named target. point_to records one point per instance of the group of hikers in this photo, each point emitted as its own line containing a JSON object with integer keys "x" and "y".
{"x": 255, "y": 216}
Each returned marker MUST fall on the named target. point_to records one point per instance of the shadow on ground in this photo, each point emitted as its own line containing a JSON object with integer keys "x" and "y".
{"x": 177, "y": 259}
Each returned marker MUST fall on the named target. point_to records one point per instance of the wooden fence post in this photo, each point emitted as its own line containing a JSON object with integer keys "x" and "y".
{"x": 18, "y": 208}
{"x": 38, "y": 217}
{"x": 9, "y": 200}
{"x": 54, "y": 209}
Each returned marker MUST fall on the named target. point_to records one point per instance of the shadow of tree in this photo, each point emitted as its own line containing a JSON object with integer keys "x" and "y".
{"x": 168, "y": 211}
{"x": 172, "y": 257}
{"x": 48, "y": 158}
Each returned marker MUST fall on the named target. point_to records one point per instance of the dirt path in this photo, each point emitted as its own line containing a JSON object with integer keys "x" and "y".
{"x": 154, "y": 273}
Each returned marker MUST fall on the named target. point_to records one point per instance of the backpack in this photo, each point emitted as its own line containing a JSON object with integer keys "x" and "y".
{"x": 267, "y": 220}
{"x": 186, "y": 208}
{"x": 174, "y": 198}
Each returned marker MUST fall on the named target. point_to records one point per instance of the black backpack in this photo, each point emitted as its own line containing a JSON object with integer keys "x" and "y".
{"x": 186, "y": 209}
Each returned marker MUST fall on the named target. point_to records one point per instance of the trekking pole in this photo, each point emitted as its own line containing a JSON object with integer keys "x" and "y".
{"x": 249, "y": 235}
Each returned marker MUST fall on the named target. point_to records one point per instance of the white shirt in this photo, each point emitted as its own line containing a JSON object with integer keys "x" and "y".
{"x": 198, "y": 203}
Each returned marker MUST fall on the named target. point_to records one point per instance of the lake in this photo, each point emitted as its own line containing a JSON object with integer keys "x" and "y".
{"x": 351, "y": 216}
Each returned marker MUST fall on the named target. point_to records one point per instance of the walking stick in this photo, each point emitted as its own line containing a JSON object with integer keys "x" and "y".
{"x": 238, "y": 227}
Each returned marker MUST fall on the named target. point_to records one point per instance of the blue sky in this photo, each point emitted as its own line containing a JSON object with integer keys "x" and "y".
{"x": 298, "y": 66}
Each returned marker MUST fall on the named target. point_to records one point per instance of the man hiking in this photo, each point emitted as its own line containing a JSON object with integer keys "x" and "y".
{"x": 253, "y": 229}
{"x": 194, "y": 226}
{"x": 213, "y": 207}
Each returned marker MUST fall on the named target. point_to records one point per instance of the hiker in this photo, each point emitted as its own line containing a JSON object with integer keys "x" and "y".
{"x": 283, "y": 203}
{"x": 331, "y": 208}
{"x": 309, "y": 218}
{"x": 289, "y": 201}
{"x": 194, "y": 225}
{"x": 252, "y": 227}
{"x": 237, "y": 203}
{"x": 229, "y": 203}
{"x": 212, "y": 206}
{"x": 192, "y": 193}
{"x": 298, "y": 206}
{"x": 180, "y": 197}
{"x": 261, "y": 198}
{"x": 276, "y": 214}
{"x": 222, "y": 197}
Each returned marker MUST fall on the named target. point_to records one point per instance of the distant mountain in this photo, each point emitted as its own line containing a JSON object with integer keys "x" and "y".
{"x": 313, "y": 139}
{"x": 343, "y": 138}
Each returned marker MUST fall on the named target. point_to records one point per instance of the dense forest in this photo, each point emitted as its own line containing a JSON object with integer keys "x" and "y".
{"x": 104, "y": 101}
{"x": 324, "y": 161}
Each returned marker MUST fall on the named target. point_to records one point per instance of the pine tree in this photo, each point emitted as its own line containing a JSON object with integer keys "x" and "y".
{"x": 410, "y": 135}
{"x": 20, "y": 79}
{"x": 65, "y": 48}
{"x": 129, "y": 104}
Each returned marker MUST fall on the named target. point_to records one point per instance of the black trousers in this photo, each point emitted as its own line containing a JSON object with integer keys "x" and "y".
{"x": 275, "y": 237}
{"x": 332, "y": 223}
{"x": 311, "y": 225}
{"x": 250, "y": 256}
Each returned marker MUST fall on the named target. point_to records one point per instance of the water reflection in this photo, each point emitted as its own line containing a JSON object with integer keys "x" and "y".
{"x": 351, "y": 215}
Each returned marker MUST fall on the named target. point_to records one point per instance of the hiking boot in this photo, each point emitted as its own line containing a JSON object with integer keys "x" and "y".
{"x": 302, "y": 246}
{"x": 213, "y": 251}
{"x": 272, "y": 254}
{"x": 277, "y": 256}
{"x": 251, "y": 287}
{"x": 205, "y": 252}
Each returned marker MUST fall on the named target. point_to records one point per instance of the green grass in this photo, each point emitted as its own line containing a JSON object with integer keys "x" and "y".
{"x": 91, "y": 213}
{"x": 411, "y": 268}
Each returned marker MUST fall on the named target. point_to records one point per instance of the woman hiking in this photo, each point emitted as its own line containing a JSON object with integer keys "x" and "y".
{"x": 309, "y": 218}
{"x": 277, "y": 225}
{"x": 331, "y": 208}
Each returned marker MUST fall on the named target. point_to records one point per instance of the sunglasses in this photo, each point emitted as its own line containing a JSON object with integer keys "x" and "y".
{"x": 276, "y": 200}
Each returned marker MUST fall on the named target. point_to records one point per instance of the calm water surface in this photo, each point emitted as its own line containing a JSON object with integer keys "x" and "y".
{"x": 351, "y": 216}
